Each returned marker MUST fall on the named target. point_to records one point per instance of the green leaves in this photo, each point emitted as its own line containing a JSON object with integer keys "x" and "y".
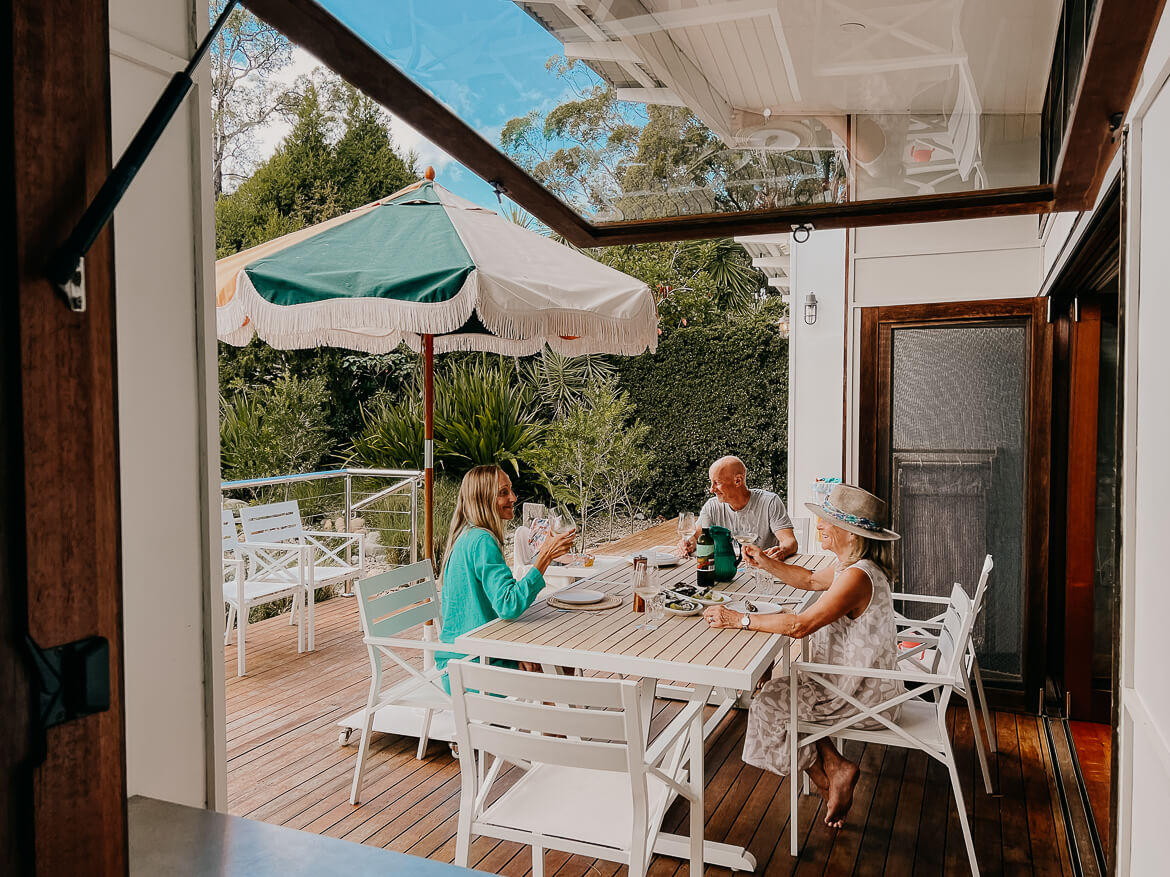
{"x": 481, "y": 417}
{"x": 277, "y": 430}
{"x": 561, "y": 381}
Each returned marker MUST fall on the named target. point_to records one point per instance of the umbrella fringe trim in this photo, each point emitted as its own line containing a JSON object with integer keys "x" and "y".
{"x": 301, "y": 325}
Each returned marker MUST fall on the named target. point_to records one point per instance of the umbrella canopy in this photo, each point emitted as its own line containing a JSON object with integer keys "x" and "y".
{"x": 437, "y": 272}
{"x": 426, "y": 262}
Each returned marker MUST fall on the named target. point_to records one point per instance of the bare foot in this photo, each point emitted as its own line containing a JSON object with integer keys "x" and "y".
{"x": 842, "y": 780}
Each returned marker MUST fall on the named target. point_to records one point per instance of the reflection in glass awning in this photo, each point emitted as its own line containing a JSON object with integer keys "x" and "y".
{"x": 644, "y": 109}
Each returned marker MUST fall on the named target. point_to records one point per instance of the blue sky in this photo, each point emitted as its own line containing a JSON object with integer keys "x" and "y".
{"x": 485, "y": 59}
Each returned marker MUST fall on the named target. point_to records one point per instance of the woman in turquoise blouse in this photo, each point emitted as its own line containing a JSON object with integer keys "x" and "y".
{"x": 478, "y": 585}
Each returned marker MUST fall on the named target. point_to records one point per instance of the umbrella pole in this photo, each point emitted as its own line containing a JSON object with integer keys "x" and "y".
{"x": 429, "y": 445}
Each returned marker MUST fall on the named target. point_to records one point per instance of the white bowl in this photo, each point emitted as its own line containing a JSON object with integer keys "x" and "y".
{"x": 692, "y": 607}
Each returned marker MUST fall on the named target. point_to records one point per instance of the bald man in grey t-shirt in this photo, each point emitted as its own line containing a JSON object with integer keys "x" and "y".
{"x": 737, "y": 507}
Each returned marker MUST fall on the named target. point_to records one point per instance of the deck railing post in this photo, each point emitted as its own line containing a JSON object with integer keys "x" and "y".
{"x": 414, "y": 521}
{"x": 348, "y": 587}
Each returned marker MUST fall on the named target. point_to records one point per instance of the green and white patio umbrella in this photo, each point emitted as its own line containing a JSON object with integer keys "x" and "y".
{"x": 437, "y": 272}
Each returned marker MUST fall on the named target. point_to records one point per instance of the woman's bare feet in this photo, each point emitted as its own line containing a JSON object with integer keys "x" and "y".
{"x": 842, "y": 774}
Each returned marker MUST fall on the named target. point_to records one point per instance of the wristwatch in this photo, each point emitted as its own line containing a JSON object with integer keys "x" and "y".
{"x": 745, "y": 621}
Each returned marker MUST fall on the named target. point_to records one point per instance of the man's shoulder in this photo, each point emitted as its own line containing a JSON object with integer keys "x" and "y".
{"x": 766, "y": 497}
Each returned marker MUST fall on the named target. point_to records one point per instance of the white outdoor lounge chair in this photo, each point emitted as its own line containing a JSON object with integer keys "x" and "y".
{"x": 921, "y": 724}
{"x": 916, "y": 642}
{"x": 244, "y": 587}
{"x": 390, "y": 604}
{"x": 271, "y": 529}
{"x": 601, "y": 791}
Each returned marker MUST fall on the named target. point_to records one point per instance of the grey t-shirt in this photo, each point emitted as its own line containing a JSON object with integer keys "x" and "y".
{"x": 764, "y": 511}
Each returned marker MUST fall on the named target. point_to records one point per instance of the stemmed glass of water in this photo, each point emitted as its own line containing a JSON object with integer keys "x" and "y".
{"x": 686, "y": 526}
{"x": 646, "y": 587}
{"x": 744, "y": 533}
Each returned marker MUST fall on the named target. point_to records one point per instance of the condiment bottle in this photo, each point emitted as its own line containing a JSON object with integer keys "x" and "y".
{"x": 640, "y": 573}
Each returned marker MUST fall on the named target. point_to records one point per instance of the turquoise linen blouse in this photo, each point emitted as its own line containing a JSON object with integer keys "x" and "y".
{"x": 478, "y": 587}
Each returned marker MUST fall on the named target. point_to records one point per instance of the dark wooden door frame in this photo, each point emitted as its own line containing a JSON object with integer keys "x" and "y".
{"x": 60, "y": 562}
{"x": 873, "y": 416}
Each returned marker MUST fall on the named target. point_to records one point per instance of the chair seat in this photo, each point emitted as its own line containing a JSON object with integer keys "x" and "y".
{"x": 917, "y": 718}
{"x": 557, "y": 801}
{"x": 412, "y": 692}
{"x": 257, "y": 590}
{"x": 323, "y": 574}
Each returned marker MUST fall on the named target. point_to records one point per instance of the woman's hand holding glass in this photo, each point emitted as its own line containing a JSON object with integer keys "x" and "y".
{"x": 753, "y": 554}
{"x": 556, "y": 544}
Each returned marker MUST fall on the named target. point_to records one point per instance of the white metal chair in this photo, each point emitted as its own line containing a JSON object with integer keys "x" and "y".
{"x": 270, "y": 529}
{"x": 801, "y": 528}
{"x": 921, "y": 724}
{"x": 917, "y": 647}
{"x": 601, "y": 791}
{"x": 244, "y": 587}
{"x": 390, "y": 604}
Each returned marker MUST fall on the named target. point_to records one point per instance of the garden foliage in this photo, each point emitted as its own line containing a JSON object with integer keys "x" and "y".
{"x": 710, "y": 391}
{"x": 274, "y": 430}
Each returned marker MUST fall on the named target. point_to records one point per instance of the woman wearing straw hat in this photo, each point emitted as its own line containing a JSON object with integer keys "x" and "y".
{"x": 851, "y": 624}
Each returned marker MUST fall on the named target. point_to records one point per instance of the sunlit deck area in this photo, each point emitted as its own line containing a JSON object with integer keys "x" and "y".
{"x": 286, "y": 767}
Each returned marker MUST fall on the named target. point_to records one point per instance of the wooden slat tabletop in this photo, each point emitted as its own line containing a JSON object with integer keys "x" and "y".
{"x": 682, "y": 648}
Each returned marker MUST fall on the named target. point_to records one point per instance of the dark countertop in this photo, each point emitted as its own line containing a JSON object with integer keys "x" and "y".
{"x": 175, "y": 840}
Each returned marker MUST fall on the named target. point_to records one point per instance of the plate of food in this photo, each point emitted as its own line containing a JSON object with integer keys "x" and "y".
{"x": 712, "y": 598}
{"x": 683, "y": 606}
{"x": 579, "y": 596}
{"x": 755, "y": 607}
{"x": 574, "y": 560}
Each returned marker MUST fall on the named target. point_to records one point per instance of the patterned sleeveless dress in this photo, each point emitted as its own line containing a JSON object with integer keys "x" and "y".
{"x": 866, "y": 641}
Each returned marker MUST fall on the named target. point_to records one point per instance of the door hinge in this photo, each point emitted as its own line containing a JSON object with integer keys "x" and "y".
{"x": 72, "y": 680}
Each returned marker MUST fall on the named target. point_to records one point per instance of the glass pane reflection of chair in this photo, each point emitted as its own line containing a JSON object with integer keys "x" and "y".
{"x": 600, "y": 791}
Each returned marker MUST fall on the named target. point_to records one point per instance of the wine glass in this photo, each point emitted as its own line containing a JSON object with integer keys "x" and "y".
{"x": 646, "y": 587}
{"x": 744, "y": 533}
{"x": 561, "y": 521}
{"x": 686, "y": 526}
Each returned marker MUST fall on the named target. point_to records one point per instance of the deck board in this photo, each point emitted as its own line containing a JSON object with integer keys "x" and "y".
{"x": 286, "y": 767}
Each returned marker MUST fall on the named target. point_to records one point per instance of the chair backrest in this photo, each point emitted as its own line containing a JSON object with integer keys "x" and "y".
{"x": 981, "y": 587}
{"x": 272, "y": 522}
{"x": 507, "y": 713}
{"x": 953, "y": 639}
{"x": 397, "y": 600}
{"x": 231, "y": 541}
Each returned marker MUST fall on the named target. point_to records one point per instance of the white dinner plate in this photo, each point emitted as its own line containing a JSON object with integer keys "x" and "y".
{"x": 579, "y": 596}
{"x": 762, "y": 608}
{"x": 658, "y": 558}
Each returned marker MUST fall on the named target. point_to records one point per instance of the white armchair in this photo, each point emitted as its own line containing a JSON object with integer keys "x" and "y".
{"x": 320, "y": 559}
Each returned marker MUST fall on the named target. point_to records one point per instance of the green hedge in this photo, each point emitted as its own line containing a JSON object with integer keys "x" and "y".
{"x": 711, "y": 391}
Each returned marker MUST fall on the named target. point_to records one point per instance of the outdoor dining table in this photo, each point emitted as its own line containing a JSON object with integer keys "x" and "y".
{"x": 683, "y": 650}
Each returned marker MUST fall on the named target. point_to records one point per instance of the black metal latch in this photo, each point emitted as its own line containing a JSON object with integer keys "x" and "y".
{"x": 73, "y": 680}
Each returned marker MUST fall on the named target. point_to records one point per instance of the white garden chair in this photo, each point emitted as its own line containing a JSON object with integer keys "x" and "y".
{"x": 921, "y": 724}
{"x": 390, "y": 604}
{"x": 601, "y": 791}
{"x": 244, "y": 587}
{"x": 269, "y": 530}
{"x": 917, "y": 647}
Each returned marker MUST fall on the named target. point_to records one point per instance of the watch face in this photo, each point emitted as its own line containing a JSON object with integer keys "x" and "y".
{"x": 745, "y": 621}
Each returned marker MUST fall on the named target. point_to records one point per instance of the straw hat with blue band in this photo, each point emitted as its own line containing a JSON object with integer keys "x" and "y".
{"x": 855, "y": 510}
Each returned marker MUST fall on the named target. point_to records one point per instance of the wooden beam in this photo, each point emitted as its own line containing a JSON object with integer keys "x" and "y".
{"x": 1121, "y": 36}
{"x": 662, "y": 97}
{"x": 607, "y": 51}
{"x": 66, "y": 541}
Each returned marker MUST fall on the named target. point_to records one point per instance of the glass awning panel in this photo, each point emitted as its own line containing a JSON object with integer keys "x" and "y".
{"x": 646, "y": 109}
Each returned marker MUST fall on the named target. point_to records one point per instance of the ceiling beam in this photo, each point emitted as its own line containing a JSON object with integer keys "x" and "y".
{"x": 663, "y": 97}
{"x": 606, "y": 51}
{"x": 1121, "y": 36}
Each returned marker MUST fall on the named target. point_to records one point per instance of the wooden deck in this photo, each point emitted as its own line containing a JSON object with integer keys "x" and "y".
{"x": 285, "y": 767}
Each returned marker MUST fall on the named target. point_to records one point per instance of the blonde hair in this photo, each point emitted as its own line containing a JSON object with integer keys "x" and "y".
{"x": 876, "y": 550}
{"x": 476, "y": 507}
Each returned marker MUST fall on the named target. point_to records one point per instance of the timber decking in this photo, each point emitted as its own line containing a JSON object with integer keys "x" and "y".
{"x": 285, "y": 767}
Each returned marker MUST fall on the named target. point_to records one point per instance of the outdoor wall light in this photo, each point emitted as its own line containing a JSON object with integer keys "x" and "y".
{"x": 802, "y": 232}
{"x": 810, "y": 308}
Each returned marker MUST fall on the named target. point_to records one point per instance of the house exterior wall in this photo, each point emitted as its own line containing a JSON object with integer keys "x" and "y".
{"x": 166, "y": 392}
{"x": 816, "y": 366}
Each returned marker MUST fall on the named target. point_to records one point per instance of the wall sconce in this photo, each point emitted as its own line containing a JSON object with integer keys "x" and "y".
{"x": 810, "y": 308}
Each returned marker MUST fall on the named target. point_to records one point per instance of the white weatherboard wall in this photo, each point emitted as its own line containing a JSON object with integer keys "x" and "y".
{"x": 162, "y": 229}
{"x": 816, "y": 366}
{"x": 1144, "y": 733}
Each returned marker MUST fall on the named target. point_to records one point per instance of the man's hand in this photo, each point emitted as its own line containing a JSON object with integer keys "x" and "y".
{"x": 773, "y": 552}
{"x": 685, "y": 546}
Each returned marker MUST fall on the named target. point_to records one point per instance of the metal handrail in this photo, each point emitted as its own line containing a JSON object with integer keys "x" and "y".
{"x": 409, "y": 478}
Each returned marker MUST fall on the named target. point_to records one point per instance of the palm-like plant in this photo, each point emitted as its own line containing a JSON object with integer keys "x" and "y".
{"x": 482, "y": 417}
{"x": 560, "y": 381}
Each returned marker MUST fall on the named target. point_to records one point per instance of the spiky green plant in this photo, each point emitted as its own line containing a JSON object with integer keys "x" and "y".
{"x": 560, "y": 381}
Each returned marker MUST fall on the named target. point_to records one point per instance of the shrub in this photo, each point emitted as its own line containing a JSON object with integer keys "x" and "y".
{"x": 593, "y": 457}
{"x": 560, "y": 381}
{"x": 278, "y": 430}
{"x": 710, "y": 391}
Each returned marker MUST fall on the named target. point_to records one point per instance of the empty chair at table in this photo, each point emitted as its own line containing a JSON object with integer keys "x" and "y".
{"x": 322, "y": 558}
{"x": 246, "y": 585}
{"x": 592, "y": 783}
